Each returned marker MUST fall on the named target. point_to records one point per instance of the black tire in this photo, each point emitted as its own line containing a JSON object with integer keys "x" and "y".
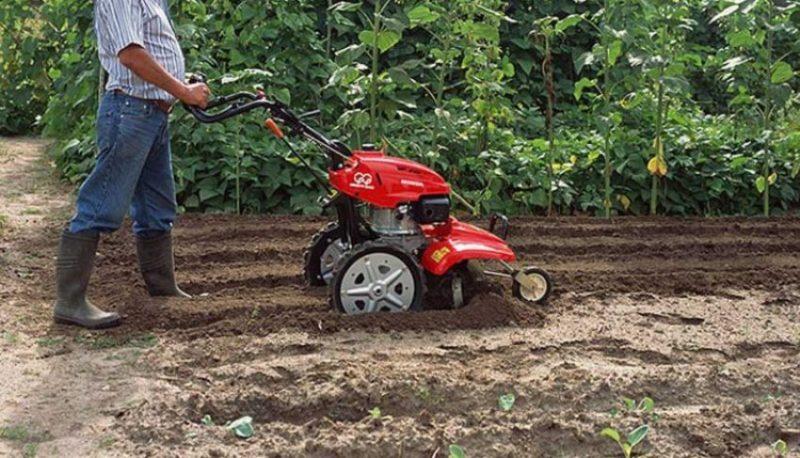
{"x": 375, "y": 246}
{"x": 441, "y": 290}
{"x": 516, "y": 288}
{"x": 312, "y": 267}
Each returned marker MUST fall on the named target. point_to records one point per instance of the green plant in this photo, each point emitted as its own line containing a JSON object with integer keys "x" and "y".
{"x": 10, "y": 338}
{"x": 17, "y": 433}
{"x": 631, "y": 440}
{"x": 375, "y": 413}
{"x": 455, "y": 451}
{"x": 506, "y": 401}
{"x": 107, "y": 442}
{"x": 207, "y": 420}
{"x": 758, "y": 71}
{"x": 243, "y": 427}
{"x": 646, "y": 405}
{"x": 548, "y": 28}
{"x": 50, "y": 341}
{"x": 606, "y": 52}
{"x": 780, "y": 447}
{"x": 30, "y": 450}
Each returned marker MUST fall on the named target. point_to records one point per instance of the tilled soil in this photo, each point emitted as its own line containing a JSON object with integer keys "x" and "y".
{"x": 701, "y": 315}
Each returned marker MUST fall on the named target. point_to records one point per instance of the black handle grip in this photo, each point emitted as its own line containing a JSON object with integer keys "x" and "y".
{"x": 196, "y": 78}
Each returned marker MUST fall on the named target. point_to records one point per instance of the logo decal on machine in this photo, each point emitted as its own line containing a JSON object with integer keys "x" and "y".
{"x": 439, "y": 254}
{"x": 362, "y": 180}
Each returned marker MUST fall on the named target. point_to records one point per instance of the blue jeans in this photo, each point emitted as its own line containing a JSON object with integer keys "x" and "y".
{"x": 133, "y": 170}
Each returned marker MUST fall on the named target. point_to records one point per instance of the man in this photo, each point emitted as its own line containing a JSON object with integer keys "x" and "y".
{"x": 139, "y": 51}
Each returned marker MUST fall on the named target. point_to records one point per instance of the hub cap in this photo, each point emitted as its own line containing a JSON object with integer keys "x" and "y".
{"x": 330, "y": 257}
{"x": 532, "y": 286}
{"x": 377, "y": 282}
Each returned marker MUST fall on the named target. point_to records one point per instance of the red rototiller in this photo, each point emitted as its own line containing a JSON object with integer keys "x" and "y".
{"x": 394, "y": 242}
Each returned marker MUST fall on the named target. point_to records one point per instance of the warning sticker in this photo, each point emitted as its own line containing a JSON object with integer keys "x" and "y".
{"x": 439, "y": 254}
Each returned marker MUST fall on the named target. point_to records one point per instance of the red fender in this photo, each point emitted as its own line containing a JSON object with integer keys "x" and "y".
{"x": 455, "y": 242}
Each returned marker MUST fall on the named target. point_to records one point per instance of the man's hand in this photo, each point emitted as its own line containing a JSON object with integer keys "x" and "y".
{"x": 195, "y": 94}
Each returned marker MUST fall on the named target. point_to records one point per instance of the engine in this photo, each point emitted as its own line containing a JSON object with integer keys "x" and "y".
{"x": 401, "y": 225}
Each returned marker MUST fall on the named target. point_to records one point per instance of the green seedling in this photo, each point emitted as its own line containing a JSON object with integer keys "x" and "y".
{"x": 780, "y": 447}
{"x": 632, "y": 440}
{"x": 242, "y": 427}
{"x": 207, "y": 420}
{"x": 646, "y": 405}
{"x": 456, "y": 451}
{"x": 506, "y": 401}
{"x": 375, "y": 412}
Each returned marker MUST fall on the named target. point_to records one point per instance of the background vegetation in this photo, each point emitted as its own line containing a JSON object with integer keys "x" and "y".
{"x": 606, "y": 107}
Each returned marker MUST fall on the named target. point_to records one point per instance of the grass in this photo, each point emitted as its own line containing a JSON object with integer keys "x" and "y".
{"x": 15, "y": 433}
{"x": 30, "y": 450}
{"x": 105, "y": 342}
{"x": 10, "y": 338}
{"x": 107, "y": 442}
{"x": 23, "y": 435}
{"x": 50, "y": 341}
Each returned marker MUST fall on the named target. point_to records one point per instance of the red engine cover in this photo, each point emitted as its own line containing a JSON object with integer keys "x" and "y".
{"x": 386, "y": 181}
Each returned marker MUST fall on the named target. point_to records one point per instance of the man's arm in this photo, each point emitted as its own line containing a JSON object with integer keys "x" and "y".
{"x": 140, "y": 62}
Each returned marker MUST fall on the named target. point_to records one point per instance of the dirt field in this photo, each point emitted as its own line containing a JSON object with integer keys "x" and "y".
{"x": 701, "y": 315}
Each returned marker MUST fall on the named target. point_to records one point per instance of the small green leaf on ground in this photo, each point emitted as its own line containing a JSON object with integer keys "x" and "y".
{"x": 638, "y": 435}
{"x": 207, "y": 420}
{"x": 647, "y": 404}
{"x": 242, "y": 427}
{"x": 611, "y": 433}
{"x": 375, "y": 412}
{"x": 456, "y": 451}
{"x": 506, "y": 401}
{"x": 630, "y": 404}
{"x": 780, "y": 447}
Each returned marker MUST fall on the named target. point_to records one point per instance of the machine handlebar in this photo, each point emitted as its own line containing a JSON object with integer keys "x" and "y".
{"x": 243, "y": 102}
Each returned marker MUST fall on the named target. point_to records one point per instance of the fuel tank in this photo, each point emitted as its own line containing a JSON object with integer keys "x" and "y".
{"x": 385, "y": 181}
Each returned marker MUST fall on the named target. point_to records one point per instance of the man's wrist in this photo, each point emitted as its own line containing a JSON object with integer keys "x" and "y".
{"x": 180, "y": 91}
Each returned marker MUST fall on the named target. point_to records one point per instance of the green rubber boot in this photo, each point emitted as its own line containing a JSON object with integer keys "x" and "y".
{"x": 73, "y": 270}
{"x": 157, "y": 264}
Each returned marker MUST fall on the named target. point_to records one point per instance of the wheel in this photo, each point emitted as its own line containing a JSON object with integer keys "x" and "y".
{"x": 532, "y": 285}
{"x": 377, "y": 277}
{"x": 450, "y": 291}
{"x": 322, "y": 254}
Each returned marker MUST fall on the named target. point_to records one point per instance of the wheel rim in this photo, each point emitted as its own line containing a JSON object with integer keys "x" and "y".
{"x": 532, "y": 286}
{"x": 377, "y": 282}
{"x": 333, "y": 252}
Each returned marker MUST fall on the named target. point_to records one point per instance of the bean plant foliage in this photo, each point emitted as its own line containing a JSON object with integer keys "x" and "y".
{"x": 606, "y": 107}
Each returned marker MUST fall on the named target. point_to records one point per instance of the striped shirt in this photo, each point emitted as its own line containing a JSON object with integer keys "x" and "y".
{"x": 146, "y": 23}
